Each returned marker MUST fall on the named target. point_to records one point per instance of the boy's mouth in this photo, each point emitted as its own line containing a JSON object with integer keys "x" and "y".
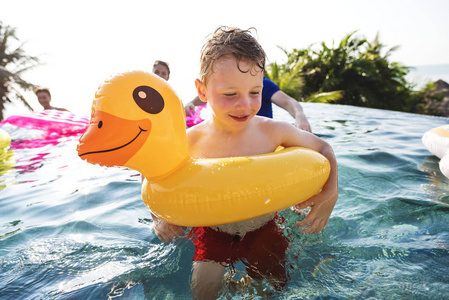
{"x": 239, "y": 118}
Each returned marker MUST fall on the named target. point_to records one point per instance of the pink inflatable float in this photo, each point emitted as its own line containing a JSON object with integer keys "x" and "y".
{"x": 195, "y": 116}
{"x": 54, "y": 125}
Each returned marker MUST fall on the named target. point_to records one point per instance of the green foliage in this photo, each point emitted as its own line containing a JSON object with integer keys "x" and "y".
{"x": 325, "y": 97}
{"x": 358, "y": 70}
{"x": 289, "y": 78}
{"x": 13, "y": 63}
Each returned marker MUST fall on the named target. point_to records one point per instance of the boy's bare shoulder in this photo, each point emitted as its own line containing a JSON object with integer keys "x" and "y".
{"x": 196, "y": 133}
{"x": 268, "y": 124}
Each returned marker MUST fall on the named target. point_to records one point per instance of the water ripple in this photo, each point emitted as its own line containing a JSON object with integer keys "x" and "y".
{"x": 70, "y": 230}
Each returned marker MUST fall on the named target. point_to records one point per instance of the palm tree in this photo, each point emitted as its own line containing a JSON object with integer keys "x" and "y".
{"x": 13, "y": 63}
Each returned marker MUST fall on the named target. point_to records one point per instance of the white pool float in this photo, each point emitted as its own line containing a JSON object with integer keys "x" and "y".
{"x": 436, "y": 141}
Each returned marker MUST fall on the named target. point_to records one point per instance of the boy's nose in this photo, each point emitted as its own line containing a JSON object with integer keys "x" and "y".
{"x": 244, "y": 102}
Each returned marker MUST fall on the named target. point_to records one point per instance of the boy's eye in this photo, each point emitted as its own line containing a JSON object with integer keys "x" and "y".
{"x": 229, "y": 94}
{"x": 255, "y": 93}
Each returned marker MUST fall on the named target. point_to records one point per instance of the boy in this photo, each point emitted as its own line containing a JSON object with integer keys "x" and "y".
{"x": 232, "y": 68}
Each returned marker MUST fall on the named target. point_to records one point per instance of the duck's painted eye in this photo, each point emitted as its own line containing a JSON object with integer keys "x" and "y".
{"x": 148, "y": 99}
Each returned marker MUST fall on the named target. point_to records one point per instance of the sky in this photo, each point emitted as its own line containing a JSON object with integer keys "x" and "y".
{"x": 81, "y": 43}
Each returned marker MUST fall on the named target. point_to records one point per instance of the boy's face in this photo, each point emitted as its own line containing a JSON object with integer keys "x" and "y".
{"x": 234, "y": 96}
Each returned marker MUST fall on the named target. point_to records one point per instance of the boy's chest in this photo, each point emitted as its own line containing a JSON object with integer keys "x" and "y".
{"x": 246, "y": 145}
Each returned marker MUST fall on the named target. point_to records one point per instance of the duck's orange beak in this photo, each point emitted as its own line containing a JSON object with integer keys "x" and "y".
{"x": 111, "y": 141}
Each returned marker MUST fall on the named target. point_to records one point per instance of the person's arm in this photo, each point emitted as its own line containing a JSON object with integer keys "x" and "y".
{"x": 167, "y": 232}
{"x": 322, "y": 203}
{"x": 190, "y": 106}
{"x": 293, "y": 107}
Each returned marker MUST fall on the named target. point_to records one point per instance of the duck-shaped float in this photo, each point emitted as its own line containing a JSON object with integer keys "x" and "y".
{"x": 436, "y": 141}
{"x": 138, "y": 122}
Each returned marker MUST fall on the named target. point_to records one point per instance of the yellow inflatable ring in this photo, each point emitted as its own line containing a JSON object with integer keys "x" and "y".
{"x": 138, "y": 122}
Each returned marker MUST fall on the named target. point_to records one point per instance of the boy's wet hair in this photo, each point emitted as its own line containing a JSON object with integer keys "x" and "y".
{"x": 42, "y": 89}
{"x": 230, "y": 41}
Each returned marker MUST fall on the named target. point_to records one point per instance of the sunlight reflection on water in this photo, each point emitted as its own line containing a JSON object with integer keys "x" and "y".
{"x": 72, "y": 230}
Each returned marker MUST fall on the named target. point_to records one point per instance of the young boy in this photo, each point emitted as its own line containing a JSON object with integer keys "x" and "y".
{"x": 231, "y": 81}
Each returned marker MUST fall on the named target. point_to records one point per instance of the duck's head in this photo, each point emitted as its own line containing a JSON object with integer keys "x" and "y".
{"x": 138, "y": 122}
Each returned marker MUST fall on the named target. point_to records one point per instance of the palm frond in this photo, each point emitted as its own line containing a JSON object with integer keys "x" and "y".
{"x": 325, "y": 97}
{"x": 13, "y": 63}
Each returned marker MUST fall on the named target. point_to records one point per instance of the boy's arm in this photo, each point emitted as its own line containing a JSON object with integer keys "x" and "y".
{"x": 167, "y": 232}
{"x": 293, "y": 107}
{"x": 323, "y": 203}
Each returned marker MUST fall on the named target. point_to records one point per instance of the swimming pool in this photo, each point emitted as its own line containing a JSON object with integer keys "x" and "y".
{"x": 70, "y": 230}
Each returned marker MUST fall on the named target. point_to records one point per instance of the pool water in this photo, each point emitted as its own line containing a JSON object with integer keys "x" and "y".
{"x": 70, "y": 230}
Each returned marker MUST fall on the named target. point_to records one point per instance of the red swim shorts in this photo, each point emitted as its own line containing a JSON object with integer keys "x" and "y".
{"x": 262, "y": 250}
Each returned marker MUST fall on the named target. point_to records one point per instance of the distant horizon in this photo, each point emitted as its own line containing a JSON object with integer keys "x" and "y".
{"x": 422, "y": 74}
{"x": 446, "y": 65}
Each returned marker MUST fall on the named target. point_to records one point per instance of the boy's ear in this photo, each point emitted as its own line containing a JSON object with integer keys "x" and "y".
{"x": 201, "y": 90}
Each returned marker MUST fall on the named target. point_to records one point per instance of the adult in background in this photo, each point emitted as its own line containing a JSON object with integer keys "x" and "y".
{"x": 161, "y": 69}
{"x": 44, "y": 98}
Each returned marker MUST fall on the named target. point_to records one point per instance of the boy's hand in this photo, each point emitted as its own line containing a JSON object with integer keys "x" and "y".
{"x": 321, "y": 206}
{"x": 167, "y": 232}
